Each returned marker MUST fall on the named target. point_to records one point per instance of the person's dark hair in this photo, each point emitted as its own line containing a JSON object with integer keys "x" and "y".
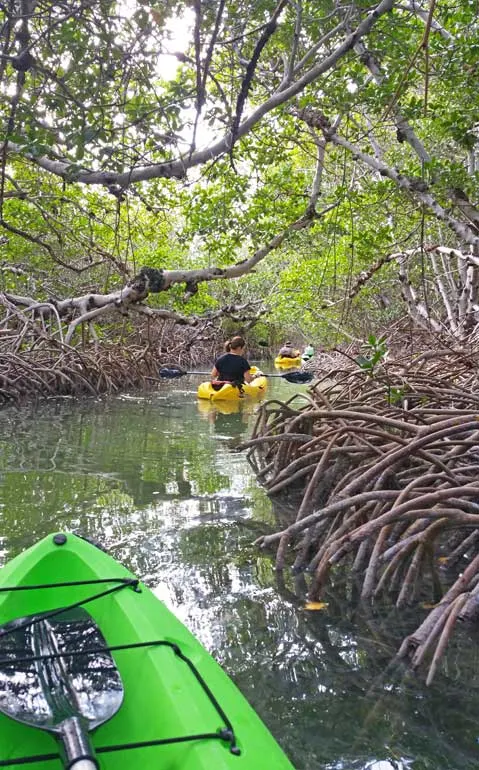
{"x": 236, "y": 342}
{"x": 227, "y": 346}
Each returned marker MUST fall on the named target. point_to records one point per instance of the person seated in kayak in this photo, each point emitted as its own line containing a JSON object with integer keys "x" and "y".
{"x": 308, "y": 352}
{"x": 287, "y": 351}
{"x": 232, "y": 366}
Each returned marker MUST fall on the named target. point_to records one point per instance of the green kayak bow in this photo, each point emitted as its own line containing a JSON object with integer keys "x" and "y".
{"x": 95, "y": 671}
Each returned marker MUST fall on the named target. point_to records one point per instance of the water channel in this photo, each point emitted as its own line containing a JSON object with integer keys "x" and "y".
{"x": 157, "y": 479}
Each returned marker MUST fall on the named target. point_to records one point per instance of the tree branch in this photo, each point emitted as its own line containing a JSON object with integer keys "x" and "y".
{"x": 177, "y": 168}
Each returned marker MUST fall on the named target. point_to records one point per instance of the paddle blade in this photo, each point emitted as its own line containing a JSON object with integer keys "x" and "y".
{"x": 63, "y": 680}
{"x": 298, "y": 378}
{"x": 170, "y": 372}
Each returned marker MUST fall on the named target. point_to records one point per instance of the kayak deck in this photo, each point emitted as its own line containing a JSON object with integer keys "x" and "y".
{"x": 180, "y": 710}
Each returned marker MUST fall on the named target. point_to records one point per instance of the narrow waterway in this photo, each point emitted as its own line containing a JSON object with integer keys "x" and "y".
{"x": 157, "y": 480}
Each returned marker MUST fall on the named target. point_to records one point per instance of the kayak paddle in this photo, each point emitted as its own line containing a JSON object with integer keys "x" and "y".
{"x": 57, "y": 674}
{"x": 171, "y": 372}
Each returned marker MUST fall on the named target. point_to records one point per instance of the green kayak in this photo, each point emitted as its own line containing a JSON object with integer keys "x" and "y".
{"x": 95, "y": 671}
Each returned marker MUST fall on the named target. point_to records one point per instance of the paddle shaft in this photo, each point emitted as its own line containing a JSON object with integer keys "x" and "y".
{"x": 62, "y": 699}
{"x": 76, "y": 745}
{"x": 208, "y": 374}
{"x": 298, "y": 377}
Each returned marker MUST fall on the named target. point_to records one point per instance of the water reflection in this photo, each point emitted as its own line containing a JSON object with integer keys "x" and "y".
{"x": 158, "y": 481}
{"x": 229, "y": 419}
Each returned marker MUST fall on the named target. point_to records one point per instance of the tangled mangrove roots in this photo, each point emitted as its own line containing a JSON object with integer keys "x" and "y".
{"x": 37, "y": 363}
{"x": 55, "y": 372}
{"x": 384, "y": 467}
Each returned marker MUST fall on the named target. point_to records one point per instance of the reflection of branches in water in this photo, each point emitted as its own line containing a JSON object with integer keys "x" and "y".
{"x": 338, "y": 605}
{"x": 385, "y": 471}
{"x": 385, "y": 703}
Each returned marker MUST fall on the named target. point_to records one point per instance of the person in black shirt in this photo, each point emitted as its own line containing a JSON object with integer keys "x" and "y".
{"x": 232, "y": 366}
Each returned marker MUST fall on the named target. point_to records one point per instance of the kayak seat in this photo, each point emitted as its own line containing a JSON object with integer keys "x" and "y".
{"x": 218, "y": 384}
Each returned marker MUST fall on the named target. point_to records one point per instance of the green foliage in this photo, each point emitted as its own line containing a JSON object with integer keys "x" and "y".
{"x": 102, "y": 96}
{"x": 396, "y": 395}
{"x": 375, "y": 351}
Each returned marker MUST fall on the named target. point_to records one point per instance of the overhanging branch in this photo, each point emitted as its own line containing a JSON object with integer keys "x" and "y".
{"x": 177, "y": 168}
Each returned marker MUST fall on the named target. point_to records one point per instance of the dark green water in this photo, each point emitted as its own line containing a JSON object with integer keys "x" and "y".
{"x": 156, "y": 479}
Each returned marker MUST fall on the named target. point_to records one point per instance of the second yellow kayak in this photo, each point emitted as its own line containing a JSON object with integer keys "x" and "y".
{"x": 283, "y": 362}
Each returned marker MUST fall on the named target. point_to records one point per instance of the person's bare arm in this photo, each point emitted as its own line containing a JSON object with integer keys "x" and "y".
{"x": 214, "y": 373}
{"x": 248, "y": 376}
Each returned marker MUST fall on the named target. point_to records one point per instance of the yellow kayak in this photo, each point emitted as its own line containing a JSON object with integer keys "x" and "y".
{"x": 228, "y": 392}
{"x": 283, "y": 362}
